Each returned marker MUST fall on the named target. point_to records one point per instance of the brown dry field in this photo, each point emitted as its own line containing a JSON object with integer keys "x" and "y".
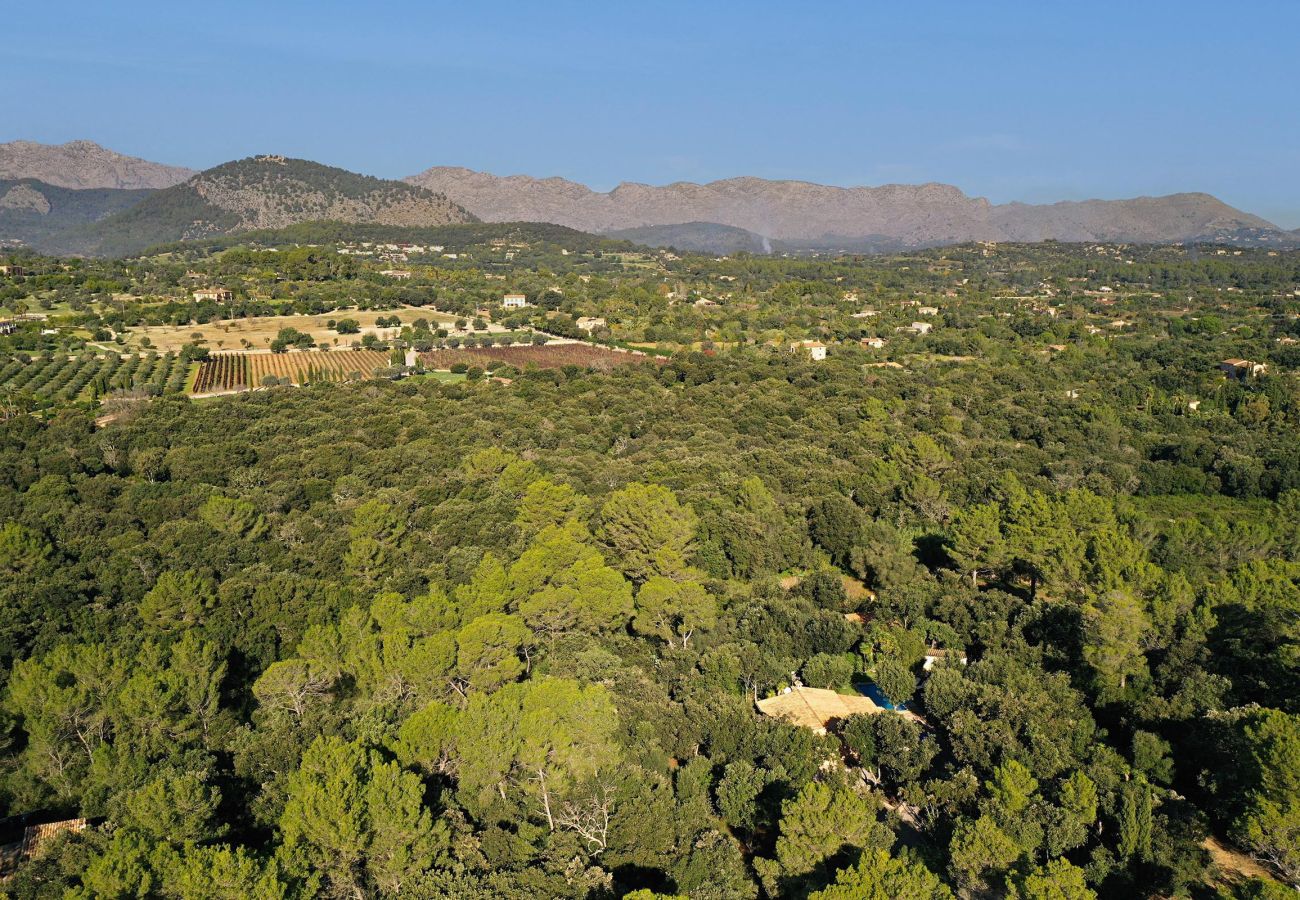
{"x": 225, "y": 335}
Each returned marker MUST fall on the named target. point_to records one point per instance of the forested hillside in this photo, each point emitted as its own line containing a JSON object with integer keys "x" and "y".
{"x": 33, "y": 212}
{"x": 257, "y": 193}
{"x": 506, "y": 637}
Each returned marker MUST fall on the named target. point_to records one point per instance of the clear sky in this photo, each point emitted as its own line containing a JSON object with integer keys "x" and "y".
{"x": 1034, "y": 101}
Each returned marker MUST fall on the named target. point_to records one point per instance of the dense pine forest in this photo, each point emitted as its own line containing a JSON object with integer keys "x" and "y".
{"x": 507, "y": 636}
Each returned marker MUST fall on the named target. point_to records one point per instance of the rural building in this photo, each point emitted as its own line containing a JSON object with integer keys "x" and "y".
{"x": 591, "y": 323}
{"x": 934, "y": 655}
{"x": 927, "y": 311}
{"x": 32, "y": 840}
{"x": 36, "y": 836}
{"x": 1242, "y": 369}
{"x": 920, "y": 327}
{"x": 216, "y": 295}
{"x": 816, "y": 350}
{"x": 514, "y": 301}
{"x": 815, "y": 708}
{"x": 875, "y": 343}
{"x": 14, "y": 271}
{"x": 398, "y": 274}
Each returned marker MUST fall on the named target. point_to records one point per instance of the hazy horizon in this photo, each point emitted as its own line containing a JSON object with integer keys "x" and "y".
{"x": 1033, "y": 105}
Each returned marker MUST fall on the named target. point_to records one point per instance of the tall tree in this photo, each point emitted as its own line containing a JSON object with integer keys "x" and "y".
{"x": 878, "y": 876}
{"x": 648, "y": 531}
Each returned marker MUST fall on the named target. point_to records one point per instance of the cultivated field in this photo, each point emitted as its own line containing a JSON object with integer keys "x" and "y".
{"x": 549, "y": 356}
{"x": 224, "y": 372}
{"x": 61, "y": 377}
{"x": 307, "y": 366}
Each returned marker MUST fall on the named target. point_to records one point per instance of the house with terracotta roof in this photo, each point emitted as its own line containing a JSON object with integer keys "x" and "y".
{"x": 815, "y": 350}
{"x": 1241, "y": 369}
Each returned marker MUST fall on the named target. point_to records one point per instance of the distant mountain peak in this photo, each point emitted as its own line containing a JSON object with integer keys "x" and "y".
{"x": 84, "y": 165}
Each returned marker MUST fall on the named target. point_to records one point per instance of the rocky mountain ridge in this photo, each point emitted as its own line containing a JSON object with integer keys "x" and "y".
{"x": 804, "y": 212}
{"x": 85, "y": 165}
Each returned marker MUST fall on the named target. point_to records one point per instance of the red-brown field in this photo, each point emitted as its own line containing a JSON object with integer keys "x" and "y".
{"x": 549, "y": 356}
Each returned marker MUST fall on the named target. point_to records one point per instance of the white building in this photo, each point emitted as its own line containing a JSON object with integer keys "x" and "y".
{"x": 217, "y": 295}
{"x": 591, "y": 323}
{"x": 514, "y": 301}
{"x": 816, "y": 350}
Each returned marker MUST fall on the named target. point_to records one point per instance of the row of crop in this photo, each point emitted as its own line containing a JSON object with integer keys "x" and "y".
{"x": 75, "y": 381}
{"x": 222, "y": 372}
{"x": 34, "y": 374}
{"x": 61, "y": 378}
{"x": 177, "y": 372}
{"x": 50, "y": 375}
{"x": 123, "y": 375}
{"x": 314, "y": 367}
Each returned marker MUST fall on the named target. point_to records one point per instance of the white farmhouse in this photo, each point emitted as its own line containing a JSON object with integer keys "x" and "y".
{"x": 816, "y": 350}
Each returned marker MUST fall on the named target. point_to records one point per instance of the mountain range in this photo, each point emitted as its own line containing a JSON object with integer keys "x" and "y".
{"x": 803, "y": 213}
{"x": 81, "y": 198}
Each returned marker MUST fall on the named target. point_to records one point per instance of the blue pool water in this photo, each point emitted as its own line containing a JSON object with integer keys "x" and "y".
{"x": 878, "y": 697}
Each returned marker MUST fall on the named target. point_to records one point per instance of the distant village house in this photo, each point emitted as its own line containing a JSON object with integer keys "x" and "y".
{"x": 816, "y": 350}
{"x": 591, "y": 323}
{"x": 1242, "y": 369}
{"x": 13, "y": 271}
{"x": 216, "y": 295}
{"x": 875, "y": 343}
{"x": 920, "y": 327}
{"x": 397, "y": 274}
{"x": 514, "y": 301}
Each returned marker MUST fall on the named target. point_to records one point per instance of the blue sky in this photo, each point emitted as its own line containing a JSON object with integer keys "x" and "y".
{"x": 1013, "y": 101}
